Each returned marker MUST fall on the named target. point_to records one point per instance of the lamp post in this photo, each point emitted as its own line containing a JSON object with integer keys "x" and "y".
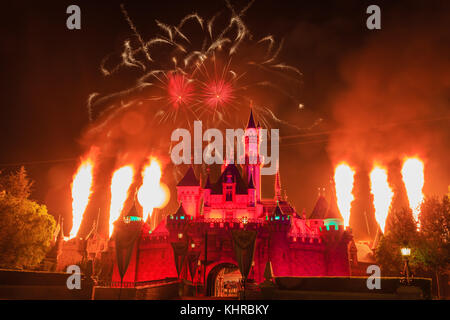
{"x": 406, "y": 252}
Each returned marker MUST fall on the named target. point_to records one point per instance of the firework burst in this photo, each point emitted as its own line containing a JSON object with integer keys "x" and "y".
{"x": 208, "y": 74}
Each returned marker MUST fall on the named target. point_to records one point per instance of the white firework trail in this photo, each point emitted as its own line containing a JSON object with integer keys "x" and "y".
{"x": 193, "y": 63}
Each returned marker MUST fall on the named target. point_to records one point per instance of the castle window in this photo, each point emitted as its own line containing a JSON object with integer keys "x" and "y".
{"x": 229, "y": 193}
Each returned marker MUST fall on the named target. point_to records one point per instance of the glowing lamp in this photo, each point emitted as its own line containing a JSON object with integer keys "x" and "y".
{"x": 192, "y": 245}
{"x": 180, "y": 236}
{"x": 406, "y": 252}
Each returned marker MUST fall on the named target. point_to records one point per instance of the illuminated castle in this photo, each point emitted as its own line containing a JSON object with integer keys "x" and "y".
{"x": 294, "y": 245}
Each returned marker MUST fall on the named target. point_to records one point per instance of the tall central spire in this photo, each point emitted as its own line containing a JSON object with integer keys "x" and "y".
{"x": 251, "y": 121}
{"x": 278, "y": 186}
{"x": 252, "y": 165}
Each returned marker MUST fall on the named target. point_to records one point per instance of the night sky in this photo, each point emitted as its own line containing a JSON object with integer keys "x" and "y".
{"x": 367, "y": 95}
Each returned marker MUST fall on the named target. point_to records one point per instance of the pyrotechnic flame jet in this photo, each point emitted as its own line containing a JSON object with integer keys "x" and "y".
{"x": 120, "y": 185}
{"x": 382, "y": 194}
{"x": 413, "y": 178}
{"x": 81, "y": 192}
{"x": 151, "y": 194}
{"x": 343, "y": 179}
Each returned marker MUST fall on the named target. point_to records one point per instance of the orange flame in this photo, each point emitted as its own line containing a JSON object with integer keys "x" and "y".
{"x": 413, "y": 178}
{"x": 81, "y": 191}
{"x": 120, "y": 185}
{"x": 382, "y": 194}
{"x": 152, "y": 194}
{"x": 343, "y": 179}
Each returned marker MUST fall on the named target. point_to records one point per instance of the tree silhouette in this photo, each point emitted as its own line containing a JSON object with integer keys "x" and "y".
{"x": 26, "y": 228}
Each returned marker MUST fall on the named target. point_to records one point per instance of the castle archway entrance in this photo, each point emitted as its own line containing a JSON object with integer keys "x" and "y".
{"x": 224, "y": 280}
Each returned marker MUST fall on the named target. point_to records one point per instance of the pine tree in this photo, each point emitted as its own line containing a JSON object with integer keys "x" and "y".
{"x": 26, "y": 228}
{"x": 17, "y": 184}
{"x": 435, "y": 235}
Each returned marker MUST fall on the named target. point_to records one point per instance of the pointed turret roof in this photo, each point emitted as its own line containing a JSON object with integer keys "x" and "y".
{"x": 268, "y": 271}
{"x": 189, "y": 179}
{"x": 208, "y": 184}
{"x": 53, "y": 252}
{"x": 93, "y": 230}
{"x": 61, "y": 229}
{"x": 251, "y": 185}
{"x": 160, "y": 229}
{"x": 57, "y": 229}
{"x": 333, "y": 211}
{"x": 233, "y": 171}
{"x": 377, "y": 239}
{"x": 251, "y": 121}
{"x": 277, "y": 186}
{"x": 278, "y": 212}
{"x": 180, "y": 211}
{"x": 320, "y": 209}
{"x": 133, "y": 211}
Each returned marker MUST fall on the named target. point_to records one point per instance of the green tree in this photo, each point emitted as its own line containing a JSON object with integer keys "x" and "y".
{"x": 401, "y": 231}
{"x": 26, "y": 228}
{"x": 435, "y": 235}
{"x": 430, "y": 244}
{"x": 17, "y": 183}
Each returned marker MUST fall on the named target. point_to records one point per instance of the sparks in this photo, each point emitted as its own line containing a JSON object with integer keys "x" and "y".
{"x": 81, "y": 192}
{"x": 224, "y": 66}
{"x": 180, "y": 90}
{"x": 382, "y": 194}
{"x": 413, "y": 178}
{"x": 120, "y": 185}
{"x": 343, "y": 179}
{"x": 218, "y": 93}
{"x": 151, "y": 194}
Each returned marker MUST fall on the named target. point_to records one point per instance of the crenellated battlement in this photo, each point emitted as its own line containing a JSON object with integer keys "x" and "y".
{"x": 302, "y": 238}
{"x": 332, "y": 228}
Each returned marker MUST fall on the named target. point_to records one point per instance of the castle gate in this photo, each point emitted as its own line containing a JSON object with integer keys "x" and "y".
{"x": 224, "y": 280}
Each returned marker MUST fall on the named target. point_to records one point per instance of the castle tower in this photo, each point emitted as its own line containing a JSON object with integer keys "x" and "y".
{"x": 207, "y": 191}
{"x": 229, "y": 188}
{"x": 60, "y": 238}
{"x": 333, "y": 217}
{"x": 251, "y": 192}
{"x": 189, "y": 192}
{"x": 277, "y": 185}
{"x": 50, "y": 262}
{"x": 252, "y": 165}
